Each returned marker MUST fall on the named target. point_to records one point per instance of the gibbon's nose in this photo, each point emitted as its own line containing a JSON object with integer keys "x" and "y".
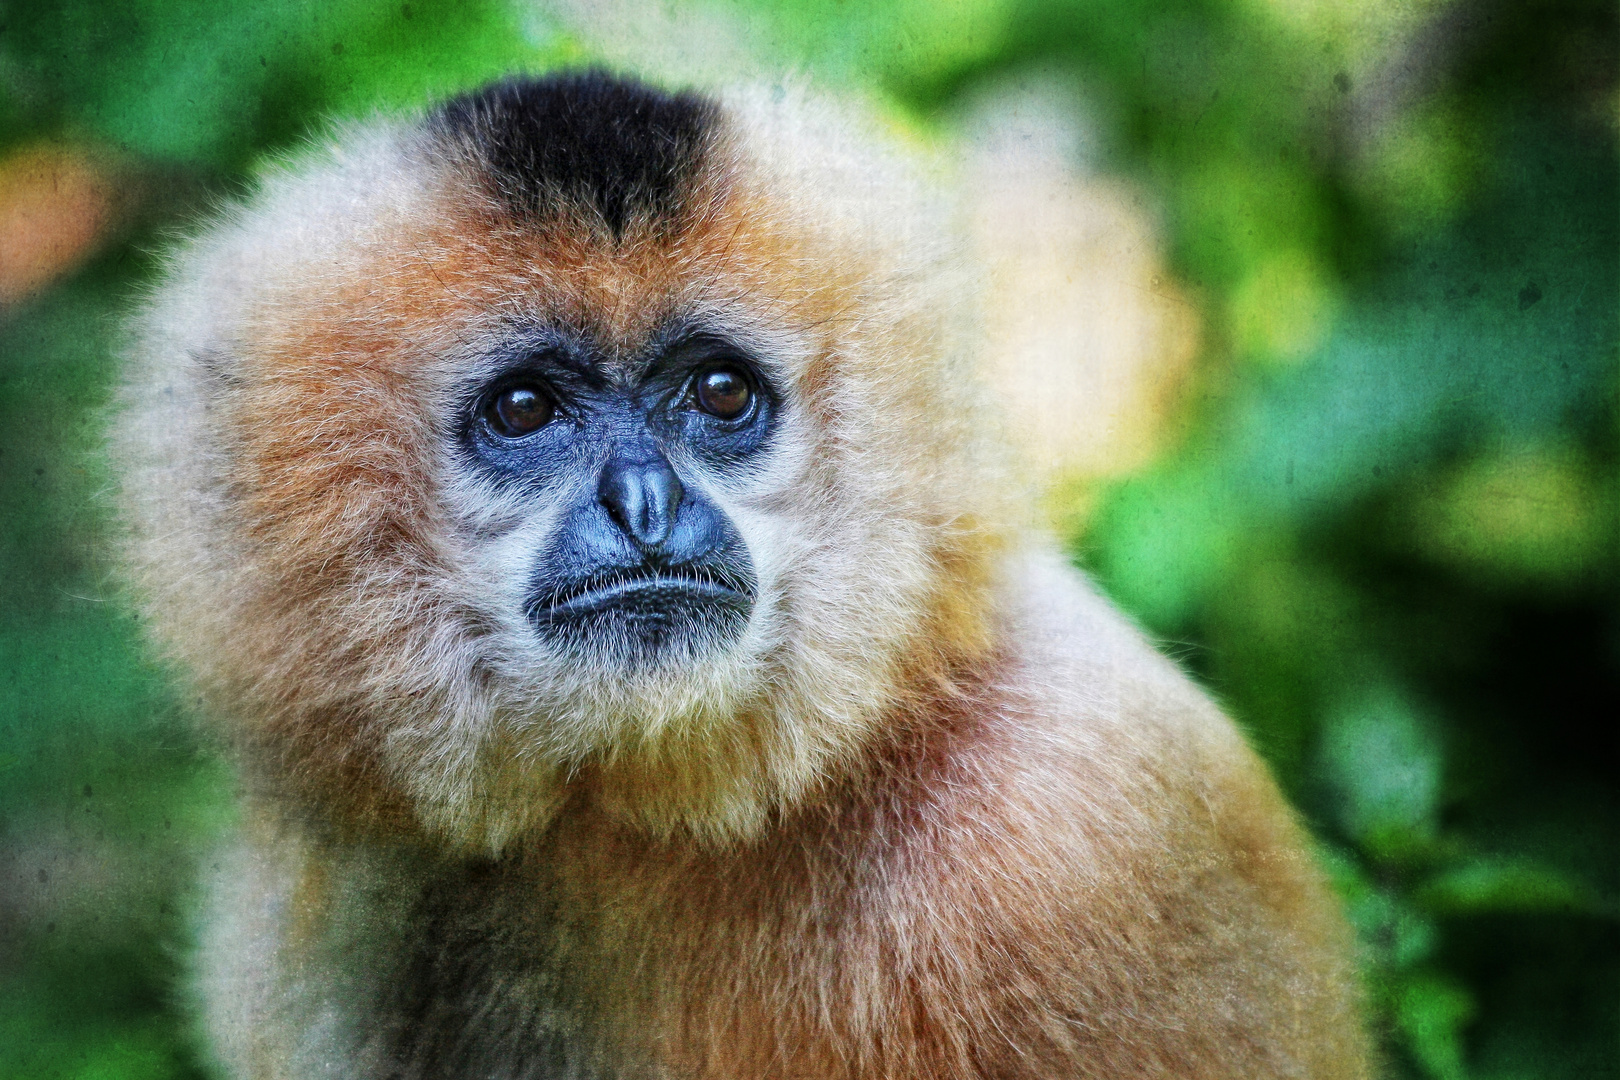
{"x": 642, "y": 498}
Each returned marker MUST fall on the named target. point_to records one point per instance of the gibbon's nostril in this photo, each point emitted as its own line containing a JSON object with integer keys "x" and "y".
{"x": 642, "y": 498}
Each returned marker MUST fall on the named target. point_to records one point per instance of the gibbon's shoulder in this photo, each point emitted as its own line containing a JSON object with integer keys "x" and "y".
{"x": 1118, "y": 741}
{"x": 1088, "y": 662}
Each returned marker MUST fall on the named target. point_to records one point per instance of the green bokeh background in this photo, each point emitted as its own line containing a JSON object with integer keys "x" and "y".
{"x": 1390, "y": 545}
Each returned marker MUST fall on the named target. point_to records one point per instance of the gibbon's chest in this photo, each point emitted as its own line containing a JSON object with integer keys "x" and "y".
{"x": 613, "y": 956}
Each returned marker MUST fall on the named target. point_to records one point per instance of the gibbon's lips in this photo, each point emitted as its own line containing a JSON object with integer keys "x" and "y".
{"x": 640, "y": 616}
{"x": 644, "y": 587}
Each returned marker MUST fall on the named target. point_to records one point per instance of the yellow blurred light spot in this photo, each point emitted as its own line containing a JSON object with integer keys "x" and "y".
{"x": 54, "y": 205}
{"x": 1534, "y": 514}
{"x": 1417, "y": 169}
{"x": 1283, "y": 308}
{"x": 1357, "y": 30}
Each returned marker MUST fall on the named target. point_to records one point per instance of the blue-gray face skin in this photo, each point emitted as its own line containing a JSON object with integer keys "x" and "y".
{"x": 642, "y": 567}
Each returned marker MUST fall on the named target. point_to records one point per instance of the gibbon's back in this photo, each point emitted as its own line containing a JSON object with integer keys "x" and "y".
{"x": 578, "y": 511}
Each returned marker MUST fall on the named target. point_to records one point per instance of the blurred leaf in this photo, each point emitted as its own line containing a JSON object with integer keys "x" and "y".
{"x": 1485, "y": 886}
{"x": 1534, "y": 514}
{"x": 1431, "y": 1011}
{"x": 1256, "y": 222}
{"x": 1421, "y": 167}
{"x": 1284, "y": 308}
{"x": 128, "y": 1058}
{"x": 1395, "y": 935}
{"x": 1278, "y": 621}
{"x": 36, "y": 1043}
{"x": 1383, "y": 760}
{"x": 902, "y": 40}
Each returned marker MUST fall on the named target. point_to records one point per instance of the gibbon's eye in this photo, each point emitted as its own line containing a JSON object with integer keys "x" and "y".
{"x": 723, "y": 392}
{"x": 520, "y": 411}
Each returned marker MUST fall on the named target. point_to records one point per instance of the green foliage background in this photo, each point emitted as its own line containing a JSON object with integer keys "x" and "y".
{"x": 1391, "y": 545}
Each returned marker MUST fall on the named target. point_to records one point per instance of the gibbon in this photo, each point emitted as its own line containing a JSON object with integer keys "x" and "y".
{"x": 579, "y": 511}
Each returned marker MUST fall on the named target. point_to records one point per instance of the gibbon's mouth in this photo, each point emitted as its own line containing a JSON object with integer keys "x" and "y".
{"x": 643, "y": 616}
{"x": 643, "y": 586}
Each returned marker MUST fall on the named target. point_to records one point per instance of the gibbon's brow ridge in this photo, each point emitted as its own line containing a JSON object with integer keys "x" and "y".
{"x": 612, "y": 143}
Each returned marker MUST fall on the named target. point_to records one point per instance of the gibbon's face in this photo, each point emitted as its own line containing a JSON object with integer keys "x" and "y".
{"x": 582, "y": 438}
{"x": 633, "y": 562}
{"x": 595, "y": 451}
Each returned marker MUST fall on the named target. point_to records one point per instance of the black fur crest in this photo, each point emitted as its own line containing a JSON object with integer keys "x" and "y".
{"x": 587, "y": 138}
